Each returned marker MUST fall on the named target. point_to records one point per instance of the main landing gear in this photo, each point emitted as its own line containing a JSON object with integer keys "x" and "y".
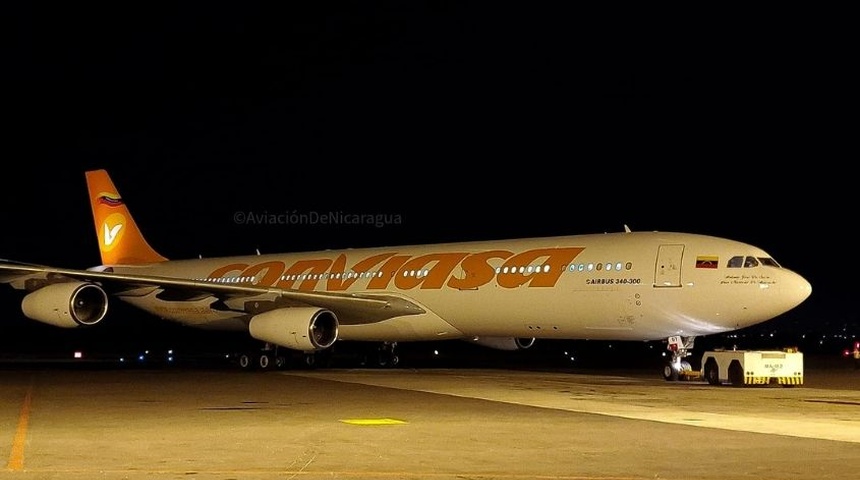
{"x": 677, "y": 366}
{"x": 377, "y": 355}
{"x": 386, "y": 356}
{"x": 272, "y": 357}
{"x": 266, "y": 359}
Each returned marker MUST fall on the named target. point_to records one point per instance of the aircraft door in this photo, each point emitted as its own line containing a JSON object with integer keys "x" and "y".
{"x": 667, "y": 271}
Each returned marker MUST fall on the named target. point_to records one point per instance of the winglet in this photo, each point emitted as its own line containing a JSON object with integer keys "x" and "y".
{"x": 120, "y": 241}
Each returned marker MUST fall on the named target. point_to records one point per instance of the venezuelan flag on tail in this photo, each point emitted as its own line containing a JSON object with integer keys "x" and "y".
{"x": 120, "y": 241}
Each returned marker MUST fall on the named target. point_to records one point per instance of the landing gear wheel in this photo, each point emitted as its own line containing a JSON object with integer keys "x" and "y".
{"x": 385, "y": 355}
{"x": 387, "y": 361}
{"x": 244, "y": 361}
{"x": 310, "y": 360}
{"x": 264, "y": 362}
{"x": 680, "y": 348}
{"x": 670, "y": 373}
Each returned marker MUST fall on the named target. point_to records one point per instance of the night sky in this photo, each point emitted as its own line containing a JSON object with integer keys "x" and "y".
{"x": 463, "y": 120}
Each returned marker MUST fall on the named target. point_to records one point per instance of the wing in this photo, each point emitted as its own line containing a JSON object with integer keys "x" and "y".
{"x": 350, "y": 308}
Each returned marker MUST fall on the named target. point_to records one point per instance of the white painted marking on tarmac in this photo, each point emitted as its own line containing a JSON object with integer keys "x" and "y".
{"x": 501, "y": 388}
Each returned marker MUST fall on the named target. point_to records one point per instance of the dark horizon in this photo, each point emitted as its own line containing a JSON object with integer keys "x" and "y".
{"x": 470, "y": 122}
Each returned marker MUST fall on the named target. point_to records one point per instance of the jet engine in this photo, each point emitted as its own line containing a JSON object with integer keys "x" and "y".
{"x": 505, "y": 343}
{"x": 67, "y": 305}
{"x": 300, "y": 328}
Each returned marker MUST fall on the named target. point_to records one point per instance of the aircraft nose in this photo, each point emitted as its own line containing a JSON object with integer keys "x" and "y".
{"x": 799, "y": 289}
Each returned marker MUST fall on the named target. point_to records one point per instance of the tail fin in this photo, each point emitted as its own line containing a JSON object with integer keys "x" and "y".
{"x": 120, "y": 241}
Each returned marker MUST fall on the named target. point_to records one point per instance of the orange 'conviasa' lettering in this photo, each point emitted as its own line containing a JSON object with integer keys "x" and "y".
{"x": 428, "y": 271}
{"x": 476, "y": 270}
{"x": 412, "y": 271}
{"x": 273, "y": 271}
{"x": 555, "y": 258}
{"x": 310, "y": 267}
{"x": 388, "y": 270}
{"x": 366, "y": 265}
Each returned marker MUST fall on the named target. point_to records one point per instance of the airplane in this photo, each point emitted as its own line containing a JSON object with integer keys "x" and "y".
{"x": 502, "y": 294}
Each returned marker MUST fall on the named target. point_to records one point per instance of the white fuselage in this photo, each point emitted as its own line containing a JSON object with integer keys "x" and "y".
{"x": 614, "y": 286}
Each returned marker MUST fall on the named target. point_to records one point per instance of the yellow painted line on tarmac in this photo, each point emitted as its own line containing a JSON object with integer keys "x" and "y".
{"x": 16, "y": 458}
{"x": 373, "y": 421}
{"x": 329, "y": 474}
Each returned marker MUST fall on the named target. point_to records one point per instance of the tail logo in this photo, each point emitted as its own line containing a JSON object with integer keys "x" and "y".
{"x": 112, "y": 231}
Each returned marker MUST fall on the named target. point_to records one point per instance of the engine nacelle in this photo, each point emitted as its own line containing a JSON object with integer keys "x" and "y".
{"x": 67, "y": 305}
{"x": 505, "y": 343}
{"x": 300, "y": 328}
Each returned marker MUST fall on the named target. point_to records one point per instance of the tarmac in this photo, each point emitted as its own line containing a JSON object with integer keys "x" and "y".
{"x": 85, "y": 422}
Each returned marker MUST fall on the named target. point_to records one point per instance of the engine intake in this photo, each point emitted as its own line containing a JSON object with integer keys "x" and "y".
{"x": 300, "y": 328}
{"x": 67, "y": 305}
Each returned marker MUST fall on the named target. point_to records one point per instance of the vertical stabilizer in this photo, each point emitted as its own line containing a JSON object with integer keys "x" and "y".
{"x": 120, "y": 241}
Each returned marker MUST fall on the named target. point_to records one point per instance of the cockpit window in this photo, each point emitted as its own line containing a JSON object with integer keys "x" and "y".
{"x": 750, "y": 262}
{"x": 768, "y": 262}
{"x": 736, "y": 262}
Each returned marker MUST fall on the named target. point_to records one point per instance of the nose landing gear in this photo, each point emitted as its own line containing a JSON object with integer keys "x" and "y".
{"x": 677, "y": 367}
